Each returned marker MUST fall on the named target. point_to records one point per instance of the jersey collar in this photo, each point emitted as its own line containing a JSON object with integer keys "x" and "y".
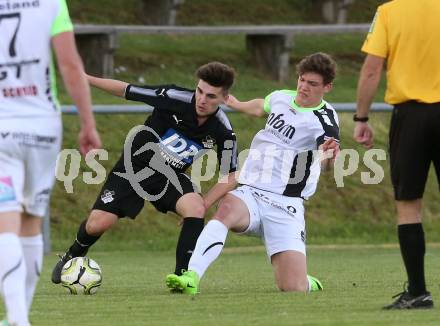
{"x": 301, "y": 109}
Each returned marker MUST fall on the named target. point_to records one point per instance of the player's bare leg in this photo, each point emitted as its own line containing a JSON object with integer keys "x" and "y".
{"x": 290, "y": 269}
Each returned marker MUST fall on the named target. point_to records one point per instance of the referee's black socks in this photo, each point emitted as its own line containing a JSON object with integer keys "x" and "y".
{"x": 191, "y": 229}
{"x": 412, "y": 247}
{"x": 82, "y": 242}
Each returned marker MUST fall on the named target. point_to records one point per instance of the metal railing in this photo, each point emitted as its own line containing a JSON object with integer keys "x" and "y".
{"x": 232, "y": 29}
{"x": 123, "y": 108}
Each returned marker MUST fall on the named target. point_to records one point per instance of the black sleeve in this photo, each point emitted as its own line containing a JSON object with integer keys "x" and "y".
{"x": 329, "y": 124}
{"x": 227, "y": 155}
{"x": 159, "y": 95}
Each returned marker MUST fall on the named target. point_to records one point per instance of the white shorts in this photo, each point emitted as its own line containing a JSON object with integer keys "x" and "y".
{"x": 28, "y": 153}
{"x": 277, "y": 219}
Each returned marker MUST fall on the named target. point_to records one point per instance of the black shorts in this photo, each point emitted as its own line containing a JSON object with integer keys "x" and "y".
{"x": 414, "y": 142}
{"x": 118, "y": 196}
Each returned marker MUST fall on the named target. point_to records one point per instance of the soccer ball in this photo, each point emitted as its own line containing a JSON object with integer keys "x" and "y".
{"x": 81, "y": 275}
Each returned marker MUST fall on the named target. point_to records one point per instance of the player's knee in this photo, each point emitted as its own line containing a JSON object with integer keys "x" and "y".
{"x": 191, "y": 205}
{"x": 98, "y": 223}
{"x": 97, "y": 227}
{"x": 223, "y": 213}
{"x": 198, "y": 209}
{"x": 30, "y": 225}
{"x": 292, "y": 285}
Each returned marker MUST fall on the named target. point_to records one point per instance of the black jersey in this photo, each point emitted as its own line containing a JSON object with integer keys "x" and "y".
{"x": 176, "y": 130}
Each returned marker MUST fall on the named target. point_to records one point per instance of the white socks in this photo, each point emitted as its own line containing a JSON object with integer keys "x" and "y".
{"x": 20, "y": 266}
{"x": 208, "y": 247}
{"x": 33, "y": 256}
{"x": 12, "y": 279}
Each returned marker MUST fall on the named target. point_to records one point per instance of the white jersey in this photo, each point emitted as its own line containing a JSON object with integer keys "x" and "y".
{"x": 27, "y": 78}
{"x": 283, "y": 156}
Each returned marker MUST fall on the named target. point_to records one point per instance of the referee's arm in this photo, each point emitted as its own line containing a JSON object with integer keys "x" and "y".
{"x": 367, "y": 86}
{"x": 368, "y": 83}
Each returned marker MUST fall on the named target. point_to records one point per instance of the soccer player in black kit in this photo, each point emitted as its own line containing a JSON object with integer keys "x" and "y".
{"x": 184, "y": 124}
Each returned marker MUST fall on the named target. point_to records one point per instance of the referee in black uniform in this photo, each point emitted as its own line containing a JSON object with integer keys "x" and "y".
{"x": 184, "y": 124}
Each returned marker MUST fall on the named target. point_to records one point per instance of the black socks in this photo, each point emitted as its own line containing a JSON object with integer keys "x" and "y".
{"x": 82, "y": 242}
{"x": 412, "y": 247}
{"x": 191, "y": 229}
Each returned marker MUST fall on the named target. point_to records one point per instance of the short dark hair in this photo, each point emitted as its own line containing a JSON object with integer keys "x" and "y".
{"x": 217, "y": 74}
{"x": 320, "y": 63}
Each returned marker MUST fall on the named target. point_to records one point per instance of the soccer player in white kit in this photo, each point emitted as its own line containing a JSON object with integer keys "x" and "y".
{"x": 30, "y": 136}
{"x": 281, "y": 171}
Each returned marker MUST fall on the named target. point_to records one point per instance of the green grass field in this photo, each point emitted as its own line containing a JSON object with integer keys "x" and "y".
{"x": 239, "y": 289}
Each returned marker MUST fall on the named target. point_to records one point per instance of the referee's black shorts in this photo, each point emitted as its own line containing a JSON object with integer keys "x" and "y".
{"x": 414, "y": 142}
{"x": 118, "y": 196}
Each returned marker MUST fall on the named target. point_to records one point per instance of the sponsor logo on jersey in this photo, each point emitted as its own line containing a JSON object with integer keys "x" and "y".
{"x": 264, "y": 198}
{"x": 176, "y": 119}
{"x": 14, "y": 5}
{"x": 30, "y": 140}
{"x": 20, "y": 91}
{"x": 303, "y": 236}
{"x": 107, "y": 196}
{"x": 208, "y": 142}
{"x": 178, "y": 150}
{"x": 162, "y": 92}
{"x": 156, "y": 165}
{"x": 43, "y": 196}
{"x": 7, "y": 192}
{"x": 17, "y": 68}
{"x": 291, "y": 209}
{"x": 278, "y": 124}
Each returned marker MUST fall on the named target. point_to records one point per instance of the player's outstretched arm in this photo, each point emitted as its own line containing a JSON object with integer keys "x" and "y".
{"x": 72, "y": 71}
{"x": 253, "y": 107}
{"x": 226, "y": 184}
{"x": 111, "y": 86}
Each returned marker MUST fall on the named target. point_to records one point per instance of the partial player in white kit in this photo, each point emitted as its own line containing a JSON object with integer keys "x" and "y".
{"x": 281, "y": 171}
{"x": 30, "y": 136}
